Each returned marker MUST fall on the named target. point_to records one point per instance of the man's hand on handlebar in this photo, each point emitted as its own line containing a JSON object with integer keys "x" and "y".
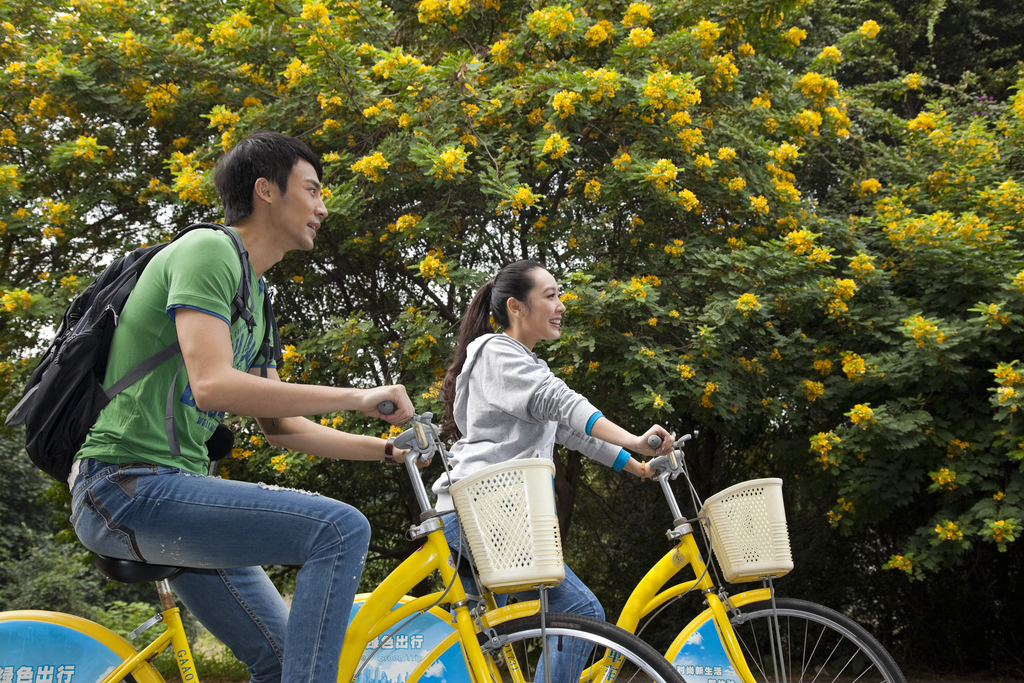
{"x": 378, "y": 400}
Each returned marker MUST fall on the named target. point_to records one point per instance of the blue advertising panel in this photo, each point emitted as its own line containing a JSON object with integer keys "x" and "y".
{"x": 398, "y": 652}
{"x": 702, "y": 658}
{"x": 40, "y": 652}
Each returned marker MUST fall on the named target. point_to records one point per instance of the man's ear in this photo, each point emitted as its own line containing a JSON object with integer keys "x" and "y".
{"x": 261, "y": 191}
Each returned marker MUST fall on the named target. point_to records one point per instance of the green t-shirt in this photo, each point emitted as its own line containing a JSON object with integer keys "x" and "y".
{"x": 198, "y": 271}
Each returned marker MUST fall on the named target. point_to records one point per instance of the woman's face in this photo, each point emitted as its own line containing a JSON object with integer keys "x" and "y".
{"x": 541, "y": 316}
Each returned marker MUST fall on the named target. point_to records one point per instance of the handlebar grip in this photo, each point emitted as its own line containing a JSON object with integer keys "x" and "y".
{"x": 654, "y": 441}
{"x": 386, "y": 407}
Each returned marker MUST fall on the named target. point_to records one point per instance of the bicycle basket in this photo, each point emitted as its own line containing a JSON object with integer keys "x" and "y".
{"x": 508, "y": 512}
{"x": 747, "y": 525}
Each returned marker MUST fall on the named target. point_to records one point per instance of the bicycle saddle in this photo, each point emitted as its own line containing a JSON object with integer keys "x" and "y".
{"x": 130, "y": 571}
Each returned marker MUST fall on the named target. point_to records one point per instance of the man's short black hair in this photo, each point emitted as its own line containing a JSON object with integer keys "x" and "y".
{"x": 263, "y": 154}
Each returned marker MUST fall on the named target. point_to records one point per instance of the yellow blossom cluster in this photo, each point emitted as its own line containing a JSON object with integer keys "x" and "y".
{"x": 807, "y": 122}
{"x": 598, "y": 33}
{"x": 823, "y": 443}
{"x": 565, "y": 101}
{"x": 759, "y": 204}
{"x": 799, "y": 241}
{"x": 372, "y": 166}
{"x": 450, "y": 163}
{"x": 748, "y": 302}
{"x": 662, "y": 174}
{"x": 869, "y": 29}
{"x": 15, "y": 300}
{"x": 948, "y": 531}
{"x": 831, "y": 54}
{"x": 869, "y": 186}
{"x": 823, "y": 366}
{"x": 705, "y": 399}
{"x": 556, "y": 146}
{"x": 794, "y": 35}
{"x": 813, "y": 390}
{"x": 604, "y": 82}
{"x": 432, "y": 267}
{"x": 913, "y": 81}
{"x": 641, "y": 37}
{"x": 1002, "y": 530}
{"x": 226, "y": 31}
{"x": 899, "y": 563}
{"x": 854, "y": 367}
{"x": 707, "y": 32}
{"x": 675, "y": 249}
{"x": 551, "y": 21}
{"x": 592, "y": 190}
{"x": 841, "y": 291}
{"x": 636, "y": 288}
{"x": 945, "y": 479}
{"x": 638, "y": 14}
{"x": 520, "y": 199}
{"x": 862, "y": 415}
{"x": 923, "y": 330}
{"x": 665, "y": 90}
{"x": 817, "y": 88}
{"x": 685, "y": 371}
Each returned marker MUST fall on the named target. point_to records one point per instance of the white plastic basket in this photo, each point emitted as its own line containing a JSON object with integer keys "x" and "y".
{"x": 508, "y": 512}
{"x": 747, "y": 525}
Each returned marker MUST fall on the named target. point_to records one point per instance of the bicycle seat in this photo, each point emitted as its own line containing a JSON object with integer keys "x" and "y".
{"x": 130, "y": 571}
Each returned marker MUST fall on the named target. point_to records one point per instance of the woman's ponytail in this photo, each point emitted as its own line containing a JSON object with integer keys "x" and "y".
{"x": 475, "y": 323}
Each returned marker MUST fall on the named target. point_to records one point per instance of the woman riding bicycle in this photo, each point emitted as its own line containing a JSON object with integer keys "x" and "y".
{"x": 503, "y": 403}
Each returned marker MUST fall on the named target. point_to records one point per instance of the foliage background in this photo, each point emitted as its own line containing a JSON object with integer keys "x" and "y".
{"x": 792, "y": 226}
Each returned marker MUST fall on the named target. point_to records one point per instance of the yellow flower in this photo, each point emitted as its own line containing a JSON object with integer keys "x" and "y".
{"x": 657, "y": 402}
{"x": 685, "y": 371}
{"x": 948, "y": 531}
{"x": 641, "y": 37}
{"x": 565, "y": 103}
{"x": 551, "y": 20}
{"x": 431, "y": 267}
{"x": 924, "y": 122}
{"x": 759, "y": 204}
{"x": 869, "y": 186}
{"x": 296, "y": 72}
{"x": 869, "y": 29}
{"x": 813, "y": 390}
{"x": 592, "y": 189}
{"x": 794, "y": 36}
{"x": 861, "y": 412}
{"x": 639, "y": 13}
{"x": 913, "y": 81}
{"x": 944, "y": 478}
{"x": 748, "y": 302}
{"x": 832, "y": 54}
{"x": 556, "y": 146}
{"x": 662, "y": 174}
{"x": 899, "y": 563}
{"x": 451, "y": 162}
{"x": 824, "y": 366}
{"x": 726, "y": 153}
{"x": 598, "y": 33}
{"x": 372, "y": 166}
{"x": 853, "y": 366}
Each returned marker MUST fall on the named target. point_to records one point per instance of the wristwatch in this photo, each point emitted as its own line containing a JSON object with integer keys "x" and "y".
{"x": 389, "y": 451}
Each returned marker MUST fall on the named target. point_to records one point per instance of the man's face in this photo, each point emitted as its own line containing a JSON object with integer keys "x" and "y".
{"x": 299, "y": 211}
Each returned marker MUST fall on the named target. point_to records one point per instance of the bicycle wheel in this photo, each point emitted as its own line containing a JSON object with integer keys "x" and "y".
{"x": 606, "y": 643}
{"x": 818, "y": 644}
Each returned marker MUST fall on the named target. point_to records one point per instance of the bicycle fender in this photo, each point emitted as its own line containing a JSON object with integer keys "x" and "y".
{"x": 699, "y": 645}
{"x": 57, "y": 644}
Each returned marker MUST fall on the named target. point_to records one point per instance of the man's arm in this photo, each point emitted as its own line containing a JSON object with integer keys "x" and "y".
{"x": 206, "y": 347}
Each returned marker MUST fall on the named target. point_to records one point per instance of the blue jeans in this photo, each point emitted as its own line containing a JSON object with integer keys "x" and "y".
{"x": 226, "y": 530}
{"x": 570, "y": 596}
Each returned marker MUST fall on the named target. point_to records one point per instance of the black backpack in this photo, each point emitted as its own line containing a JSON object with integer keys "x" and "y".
{"x": 64, "y": 394}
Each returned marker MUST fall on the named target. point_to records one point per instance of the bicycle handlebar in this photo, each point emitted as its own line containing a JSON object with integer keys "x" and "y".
{"x": 386, "y": 407}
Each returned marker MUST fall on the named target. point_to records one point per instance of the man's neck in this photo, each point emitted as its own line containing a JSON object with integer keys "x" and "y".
{"x": 263, "y": 252}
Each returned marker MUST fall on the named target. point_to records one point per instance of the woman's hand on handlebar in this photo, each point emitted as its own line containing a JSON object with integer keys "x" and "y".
{"x": 644, "y": 442}
{"x": 373, "y": 399}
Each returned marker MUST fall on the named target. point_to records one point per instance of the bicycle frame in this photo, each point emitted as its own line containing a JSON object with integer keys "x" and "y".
{"x": 648, "y": 595}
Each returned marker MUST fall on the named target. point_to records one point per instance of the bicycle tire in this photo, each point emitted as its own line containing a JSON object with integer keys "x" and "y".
{"x": 818, "y": 644}
{"x": 641, "y": 662}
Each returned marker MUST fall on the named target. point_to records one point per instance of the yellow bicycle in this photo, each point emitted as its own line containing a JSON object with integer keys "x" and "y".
{"x": 443, "y": 636}
{"x": 750, "y": 636}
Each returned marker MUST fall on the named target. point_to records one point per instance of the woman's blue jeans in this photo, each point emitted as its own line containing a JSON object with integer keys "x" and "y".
{"x": 570, "y": 596}
{"x": 226, "y": 530}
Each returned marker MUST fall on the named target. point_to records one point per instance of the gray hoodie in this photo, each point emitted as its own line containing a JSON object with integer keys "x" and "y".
{"x": 508, "y": 405}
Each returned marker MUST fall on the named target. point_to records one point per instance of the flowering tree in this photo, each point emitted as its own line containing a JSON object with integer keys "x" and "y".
{"x": 755, "y": 237}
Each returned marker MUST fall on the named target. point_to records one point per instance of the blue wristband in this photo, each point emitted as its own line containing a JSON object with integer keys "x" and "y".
{"x": 592, "y": 420}
{"x": 621, "y": 461}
